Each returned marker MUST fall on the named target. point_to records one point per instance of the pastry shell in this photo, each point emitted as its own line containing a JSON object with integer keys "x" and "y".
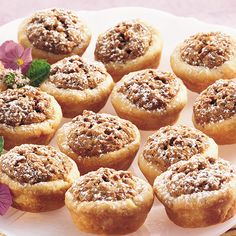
{"x": 151, "y": 59}
{"x": 199, "y": 209}
{"x": 35, "y": 133}
{"x": 119, "y": 160}
{"x": 198, "y": 78}
{"x": 145, "y": 119}
{"x": 152, "y": 170}
{"x": 111, "y": 217}
{"x": 49, "y": 56}
{"x": 42, "y": 196}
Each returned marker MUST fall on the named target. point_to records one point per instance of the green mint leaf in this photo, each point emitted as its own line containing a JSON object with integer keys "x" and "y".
{"x": 38, "y": 71}
{"x": 9, "y": 79}
{"x": 1, "y": 144}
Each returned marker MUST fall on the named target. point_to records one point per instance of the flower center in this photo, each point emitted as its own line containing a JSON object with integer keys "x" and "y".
{"x": 20, "y": 62}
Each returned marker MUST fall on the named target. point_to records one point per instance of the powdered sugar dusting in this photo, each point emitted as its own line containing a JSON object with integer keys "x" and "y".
{"x": 94, "y": 134}
{"x": 217, "y": 103}
{"x": 125, "y": 41}
{"x": 76, "y": 73}
{"x": 150, "y": 89}
{"x": 106, "y": 185}
{"x": 24, "y": 106}
{"x": 199, "y": 174}
{"x": 208, "y": 49}
{"x": 31, "y": 164}
{"x": 56, "y": 30}
{"x": 171, "y": 144}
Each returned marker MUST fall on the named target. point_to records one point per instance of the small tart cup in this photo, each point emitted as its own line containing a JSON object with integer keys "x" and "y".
{"x": 151, "y": 170}
{"x": 40, "y": 197}
{"x": 119, "y": 160}
{"x": 151, "y": 59}
{"x": 73, "y": 102}
{"x": 35, "y": 133}
{"x": 198, "y": 78}
{"x": 49, "y": 56}
{"x": 199, "y": 209}
{"x": 111, "y": 217}
{"x": 144, "y": 119}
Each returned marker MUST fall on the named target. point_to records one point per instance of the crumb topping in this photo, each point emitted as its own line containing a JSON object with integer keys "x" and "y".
{"x": 217, "y": 103}
{"x": 24, "y": 106}
{"x": 150, "y": 89}
{"x": 199, "y": 174}
{"x": 56, "y": 30}
{"x": 32, "y": 164}
{"x": 125, "y": 41}
{"x": 208, "y": 49}
{"x": 75, "y": 73}
{"x": 171, "y": 144}
{"x": 13, "y": 78}
{"x": 106, "y": 185}
{"x": 94, "y": 134}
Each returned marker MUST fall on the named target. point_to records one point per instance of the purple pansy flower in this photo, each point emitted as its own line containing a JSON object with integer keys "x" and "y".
{"x": 14, "y": 56}
{"x": 5, "y": 199}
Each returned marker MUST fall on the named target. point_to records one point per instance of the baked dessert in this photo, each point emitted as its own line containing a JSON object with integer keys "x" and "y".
{"x": 99, "y": 140}
{"x": 199, "y": 192}
{"x": 149, "y": 98}
{"x": 172, "y": 144}
{"x": 38, "y": 176}
{"x": 78, "y": 85}
{"x": 129, "y": 46}
{"x": 204, "y": 58}
{"x": 54, "y": 34}
{"x": 214, "y": 111}
{"x": 12, "y": 79}
{"x": 107, "y": 201}
{"x": 28, "y": 115}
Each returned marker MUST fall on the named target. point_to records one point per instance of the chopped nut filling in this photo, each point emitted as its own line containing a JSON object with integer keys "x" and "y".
{"x": 32, "y": 164}
{"x": 106, "y": 185}
{"x": 126, "y": 41}
{"x": 150, "y": 89}
{"x": 208, "y": 49}
{"x": 217, "y": 103}
{"x": 171, "y": 144}
{"x": 94, "y": 134}
{"x": 24, "y": 106}
{"x": 199, "y": 174}
{"x": 56, "y": 30}
{"x": 75, "y": 73}
{"x": 13, "y": 78}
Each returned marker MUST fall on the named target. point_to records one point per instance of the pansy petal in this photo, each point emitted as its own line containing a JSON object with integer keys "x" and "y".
{"x": 13, "y": 51}
{"x": 3, "y": 48}
{"x": 25, "y": 68}
{"x": 10, "y": 65}
{"x": 27, "y": 55}
{"x": 5, "y": 199}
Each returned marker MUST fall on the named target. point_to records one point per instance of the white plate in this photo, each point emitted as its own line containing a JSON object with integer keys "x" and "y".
{"x": 173, "y": 29}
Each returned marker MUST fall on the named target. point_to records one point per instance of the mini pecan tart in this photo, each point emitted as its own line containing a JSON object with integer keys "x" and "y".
{"x": 199, "y": 192}
{"x": 38, "y": 176}
{"x": 99, "y": 140}
{"x": 28, "y": 115}
{"x": 54, "y": 34}
{"x": 214, "y": 111}
{"x": 107, "y": 201}
{"x": 172, "y": 144}
{"x": 204, "y": 58}
{"x": 129, "y": 46}
{"x": 78, "y": 85}
{"x": 149, "y": 98}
